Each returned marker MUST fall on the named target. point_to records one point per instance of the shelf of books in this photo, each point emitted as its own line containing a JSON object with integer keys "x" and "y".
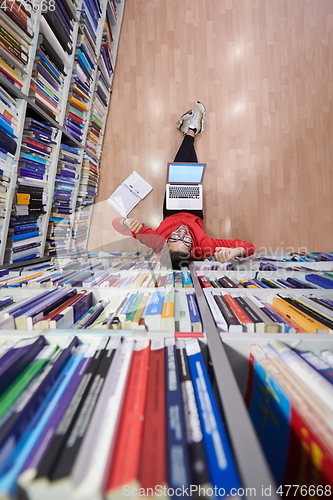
{"x": 263, "y": 311}
{"x": 146, "y": 321}
{"x": 55, "y": 84}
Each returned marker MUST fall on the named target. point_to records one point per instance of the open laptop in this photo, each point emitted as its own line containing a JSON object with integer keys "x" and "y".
{"x": 184, "y": 186}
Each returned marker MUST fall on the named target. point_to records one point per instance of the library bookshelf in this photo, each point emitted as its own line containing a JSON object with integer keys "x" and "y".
{"x": 64, "y": 85}
{"x": 228, "y": 353}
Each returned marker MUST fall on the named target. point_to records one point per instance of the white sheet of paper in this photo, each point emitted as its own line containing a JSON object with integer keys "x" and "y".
{"x": 129, "y": 193}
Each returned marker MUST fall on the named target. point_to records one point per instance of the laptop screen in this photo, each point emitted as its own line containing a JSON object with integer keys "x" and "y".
{"x": 186, "y": 173}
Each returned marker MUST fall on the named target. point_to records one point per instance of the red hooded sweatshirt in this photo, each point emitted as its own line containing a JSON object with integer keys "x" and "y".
{"x": 203, "y": 246}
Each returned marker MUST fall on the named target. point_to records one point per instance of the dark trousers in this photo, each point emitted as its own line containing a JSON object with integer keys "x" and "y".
{"x": 186, "y": 153}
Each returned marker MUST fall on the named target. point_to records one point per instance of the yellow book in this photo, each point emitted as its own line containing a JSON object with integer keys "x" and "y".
{"x": 22, "y": 198}
{"x": 305, "y": 322}
{"x": 15, "y": 281}
{"x": 10, "y": 70}
{"x": 168, "y": 312}
{"x": 78, "y": 104}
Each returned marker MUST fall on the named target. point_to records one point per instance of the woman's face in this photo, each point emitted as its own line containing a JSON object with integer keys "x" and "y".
{"x": 180, "y": 240}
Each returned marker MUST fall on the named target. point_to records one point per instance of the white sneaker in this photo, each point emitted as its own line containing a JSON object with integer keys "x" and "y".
{"x": 184, "y": 121}
{"x": 197, "y": 123}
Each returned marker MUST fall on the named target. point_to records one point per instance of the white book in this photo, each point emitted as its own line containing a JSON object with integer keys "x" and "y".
{"x": 95, "y": 455}
{"x": 129, "y": 194}
{"x": 182, "y": 313}
{"x": 221, "y": 323}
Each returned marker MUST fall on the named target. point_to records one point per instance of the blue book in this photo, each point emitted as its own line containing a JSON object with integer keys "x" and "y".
{"x": 318, "y": 363}
{"x": 153, "y": 311}
{"x": 23, "y": 306}
{"x": 69, "y": 149}
{"x": 19, "y": 237}
{"x": 221, "y": 462}
{"x": 179, "y": 473}
{"x": 194, "y": 313}
{"x": 34, "y": 158}
{"x": 7, "y": 128}
{"x": 5, "y": 301}
{"x": 44, "y": 412}
{"x": 14, "y": 361}
{"x": 48, "y": 64}
{"x": 319, "y": 280}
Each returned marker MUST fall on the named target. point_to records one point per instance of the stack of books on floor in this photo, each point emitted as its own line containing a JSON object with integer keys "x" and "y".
{"x": 61, "y": 20}
{"x": 17, "y": 22}
{"x": 8, "y": 146}
{"x": 97, "y": 418}
{"x": 48, "y": 77}
{"x": 63, "y": 307}
{"x": 308, "y": 281}
{"x": 283, "y": 313}
{"x": 67, "y": 175}
{"x": 25, "y": 228}
{"x": 290, "y": 400}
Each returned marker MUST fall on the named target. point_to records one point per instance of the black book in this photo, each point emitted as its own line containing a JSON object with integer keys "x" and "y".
{"x": 59, "y": 32}
{"x": 225, "y": 283}
{"x": 247, "y": 309}
{"x": 310, "y": 312}
{"x": 194, "y": 435}
{"x": 234, "y": 325}
{"x": 82, "y": 417}
{"x": 49, "y": 50}
{"x": 54, "y": 448}
{"x": 7, "y": 143}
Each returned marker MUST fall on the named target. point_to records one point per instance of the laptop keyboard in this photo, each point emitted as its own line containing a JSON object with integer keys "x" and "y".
{"x": 184, "y": 192}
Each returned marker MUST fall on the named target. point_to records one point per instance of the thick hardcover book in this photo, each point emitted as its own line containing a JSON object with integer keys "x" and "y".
{"x": 179, "y": 473}
{"x": 221, "y": 462}
{"x": 153, "y": 461}
{"x": 125, "y": 466}
{"x": 234, "y": 325}
{"x": 194, "y": 433}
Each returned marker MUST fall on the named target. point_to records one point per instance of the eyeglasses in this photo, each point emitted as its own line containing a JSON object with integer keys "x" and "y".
{"x": 187, "y": 240}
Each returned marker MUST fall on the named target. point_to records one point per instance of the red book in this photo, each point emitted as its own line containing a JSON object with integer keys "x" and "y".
{"x": 75, "y": 118}
{"x": 241, "y": 315}
{"x": 153, "y": 459}
{"x": 34, "y": 89}
{"x": 124, "y": 469}
{"x": 204, "y": 282}
{"x": 29, "y": 140}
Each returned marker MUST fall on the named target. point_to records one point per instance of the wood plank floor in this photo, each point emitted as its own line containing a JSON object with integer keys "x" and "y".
{"x": 264, "y": 70}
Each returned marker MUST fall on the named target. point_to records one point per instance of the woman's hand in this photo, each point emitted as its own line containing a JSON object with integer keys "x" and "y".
{"x": 224, "y": 254}
{"x": 133, "y": 224}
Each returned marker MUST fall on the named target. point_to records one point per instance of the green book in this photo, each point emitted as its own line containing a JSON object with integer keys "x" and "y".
{"x": 131, "y": 313}
{"x": 8, "y": 398}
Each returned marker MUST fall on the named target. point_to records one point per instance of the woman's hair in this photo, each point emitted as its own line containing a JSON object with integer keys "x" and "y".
{"x": 179, "y": 260}
{"x": 174, "y": 260}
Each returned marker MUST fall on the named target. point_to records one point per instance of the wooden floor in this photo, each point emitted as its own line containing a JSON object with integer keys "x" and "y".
{"x": 264, "y": 70}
